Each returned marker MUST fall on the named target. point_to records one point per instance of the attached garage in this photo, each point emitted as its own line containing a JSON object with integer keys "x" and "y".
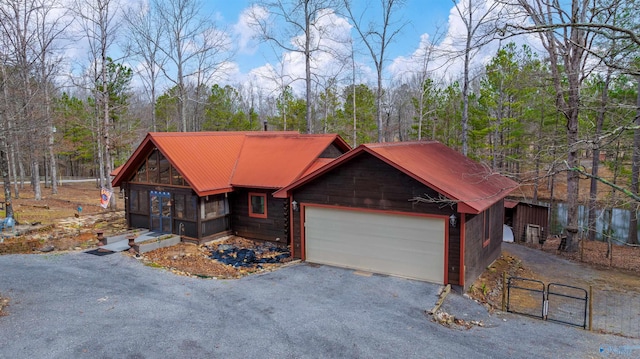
{"x": 411, "y": 209}
{"x": 395, "y": 244}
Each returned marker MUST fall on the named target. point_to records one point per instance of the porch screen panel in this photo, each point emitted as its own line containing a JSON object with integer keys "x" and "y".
{"x": 143, "y": 201}
{"x": 191, "y": 209}
{"x": 179, "y": 206}
{"x": 134, "y": 205}
{"x": 164, "y": 166}
{"x": 152, "y": 167}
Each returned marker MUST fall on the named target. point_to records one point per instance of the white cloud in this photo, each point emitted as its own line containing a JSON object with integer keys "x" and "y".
{"x": 447, "y": 56}
{"x": 245, "y": 31}
{"x": 331, "y": 36}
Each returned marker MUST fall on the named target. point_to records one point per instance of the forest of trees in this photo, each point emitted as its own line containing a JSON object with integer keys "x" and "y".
{"x": 560, "y": 114}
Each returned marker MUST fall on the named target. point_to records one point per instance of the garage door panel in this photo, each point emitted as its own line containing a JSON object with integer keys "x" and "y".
{"x": 407, "y": 246}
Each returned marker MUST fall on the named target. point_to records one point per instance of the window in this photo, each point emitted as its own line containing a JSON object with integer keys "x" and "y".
{"x": 486, "y": 239}
{"x": 258, "y": 205}
{"x": 163, "y": 168}
{"x": 215, "y": 206}
{"x": 152, "y": 166}
{"x": 176, "y": 177}
{"x": 141, "y": 175}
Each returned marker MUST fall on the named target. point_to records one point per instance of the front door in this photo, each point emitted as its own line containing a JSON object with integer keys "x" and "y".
{"x": 160, "y": 211}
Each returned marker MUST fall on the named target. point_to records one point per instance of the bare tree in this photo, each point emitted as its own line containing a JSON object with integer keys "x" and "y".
{"x": 193, "y": 47}
{"x": 422, "y": 79}
{"x": 567, "y": 50}
{"x": 377, "y": 36}
{"x": 297, "y": 26}
{"x": 99, "y": 20}
{"x": 479, "y": 27}
{"x": 4, "y": 148}
{"x": 51, "y": 29}
{"x": 144, "y": 43}
{"x": 30, "y": 30}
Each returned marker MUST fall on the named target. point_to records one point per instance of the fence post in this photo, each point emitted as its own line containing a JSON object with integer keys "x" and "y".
{"x": 504, "y": 291}
{"x": 590, "y": 307}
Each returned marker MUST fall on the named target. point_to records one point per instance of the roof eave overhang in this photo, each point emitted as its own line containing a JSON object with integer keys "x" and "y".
{"x": 211, "y": 192}
{"x": 125, "y": 171}
{"x": 463, "y": 207}
{"x": 466, "y": 207}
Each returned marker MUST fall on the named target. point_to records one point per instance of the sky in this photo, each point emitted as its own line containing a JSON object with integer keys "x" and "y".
{"x": 421, "y": 17}
{"x": 427, "y": 22}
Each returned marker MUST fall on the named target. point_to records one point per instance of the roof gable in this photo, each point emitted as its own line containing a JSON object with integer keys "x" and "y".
{"x": 213, "y": 162}
{"x": 473, "y": 186}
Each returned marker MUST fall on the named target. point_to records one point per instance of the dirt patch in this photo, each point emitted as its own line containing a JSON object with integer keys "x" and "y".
{"x": 487, "y": 289}
{"x": 196, "y": 260}
{"x": 595, "y": 253}
{"x": 558, "y": 266}
{"x": 64, "y": 204}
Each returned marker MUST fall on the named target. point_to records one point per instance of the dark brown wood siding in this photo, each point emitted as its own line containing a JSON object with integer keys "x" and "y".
{"x": 331, "y": 152}
{"x": 480, "y": 253}
{"x": 523, "y": 214}
{"x": 367, "y": 182}
{"x": 271, "y": 228}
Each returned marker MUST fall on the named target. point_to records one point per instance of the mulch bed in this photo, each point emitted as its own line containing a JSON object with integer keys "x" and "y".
{"x": 243, "y": 256}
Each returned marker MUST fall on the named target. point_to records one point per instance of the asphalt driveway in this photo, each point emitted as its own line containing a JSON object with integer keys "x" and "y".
{"x": 78, "y": 305}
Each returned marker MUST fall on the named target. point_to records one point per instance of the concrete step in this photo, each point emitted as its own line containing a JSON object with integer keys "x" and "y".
{"x": 146, "y": 241}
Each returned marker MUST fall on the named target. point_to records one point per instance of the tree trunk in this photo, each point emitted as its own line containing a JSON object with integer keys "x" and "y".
{"x": 37, "y": 190}
{"x": 465, "y": 92}
{"x": 379, "y": 105}
{"x": 108, "y": 167}
{"x": 4, "y": 169}
{"x": 573, "y": 180}
{"x": 595, "y": 162}
{"x": 50, "y": 132}
{"x": 635, "y": 172}
{"x": 307, "y": 65}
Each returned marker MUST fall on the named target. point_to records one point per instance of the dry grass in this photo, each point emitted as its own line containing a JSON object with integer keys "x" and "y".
{"x": 595, "y": 253}
{"x": 64, "y": 204}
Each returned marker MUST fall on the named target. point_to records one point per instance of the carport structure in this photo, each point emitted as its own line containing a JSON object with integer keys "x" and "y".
{"x": 419, "y": 210}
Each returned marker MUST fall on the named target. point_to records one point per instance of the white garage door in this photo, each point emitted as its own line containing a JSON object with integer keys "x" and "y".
{"x": 405, "y": 246}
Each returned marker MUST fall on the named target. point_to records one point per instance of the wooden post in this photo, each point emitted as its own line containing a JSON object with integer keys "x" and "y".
{"x": 504, "y": 291}
{"x": 100, "y": 235}
{"x": 590, "y": 307}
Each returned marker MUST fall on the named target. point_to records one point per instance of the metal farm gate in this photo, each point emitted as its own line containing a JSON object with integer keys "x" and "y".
{"x": 554, "y": 302}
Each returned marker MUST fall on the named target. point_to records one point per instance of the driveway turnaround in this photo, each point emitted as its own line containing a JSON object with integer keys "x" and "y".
{"x": 78, "y": 305}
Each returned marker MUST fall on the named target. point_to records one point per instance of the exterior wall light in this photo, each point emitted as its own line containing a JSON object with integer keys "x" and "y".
{"x": 294, "y": 205}
{"x": 453, "y": 220}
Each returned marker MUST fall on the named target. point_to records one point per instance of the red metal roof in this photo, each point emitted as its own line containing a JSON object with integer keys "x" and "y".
{"x": 213, "y": 162}
{"x": 317, "y": 164}
{"x": 473, "y": 186}
{"x": 275, "y": 161}
{"x": 116, "y": 170}
{"x": 510, "y": 204}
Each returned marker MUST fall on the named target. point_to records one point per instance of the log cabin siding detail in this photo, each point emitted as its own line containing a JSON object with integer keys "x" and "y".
{"x": 477, "y": 256}
{"x": 271, "y": 228}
